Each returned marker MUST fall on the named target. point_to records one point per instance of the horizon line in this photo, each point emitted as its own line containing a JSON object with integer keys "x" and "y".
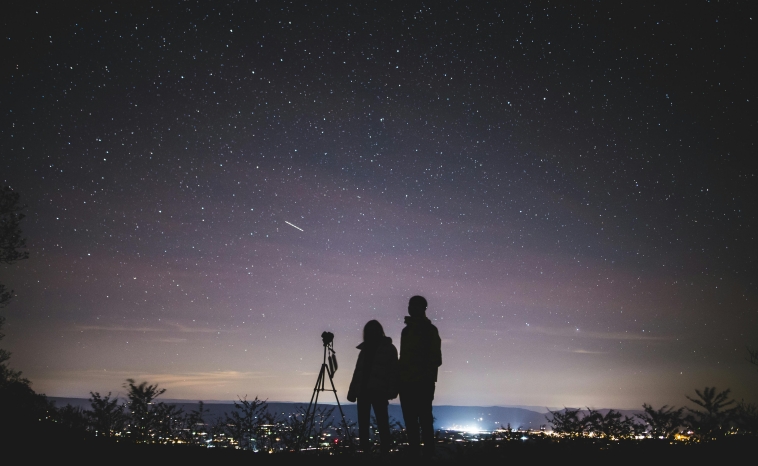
{"x": 395, "y": 401}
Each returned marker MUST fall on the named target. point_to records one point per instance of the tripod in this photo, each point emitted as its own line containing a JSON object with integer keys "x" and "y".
{"x": 330, "y": 369}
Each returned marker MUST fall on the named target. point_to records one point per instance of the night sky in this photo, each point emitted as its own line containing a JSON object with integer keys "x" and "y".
{"x": 210, "y": 187}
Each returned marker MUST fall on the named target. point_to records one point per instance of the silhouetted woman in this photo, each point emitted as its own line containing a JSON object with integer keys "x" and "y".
{"x": 374, "y": 383}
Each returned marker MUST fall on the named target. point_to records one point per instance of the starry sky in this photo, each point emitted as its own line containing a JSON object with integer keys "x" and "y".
{"x": 211, "y": 186}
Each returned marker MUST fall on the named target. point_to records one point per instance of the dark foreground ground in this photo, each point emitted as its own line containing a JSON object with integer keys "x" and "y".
{"x": 52, "y": 445}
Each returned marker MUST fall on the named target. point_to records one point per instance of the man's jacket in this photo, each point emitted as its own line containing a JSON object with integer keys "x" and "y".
{"x": 420, "y": 352}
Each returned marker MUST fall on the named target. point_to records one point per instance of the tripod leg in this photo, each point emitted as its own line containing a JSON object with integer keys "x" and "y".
{"x": 310, "y": 414}
{"x": 342, "y": 413}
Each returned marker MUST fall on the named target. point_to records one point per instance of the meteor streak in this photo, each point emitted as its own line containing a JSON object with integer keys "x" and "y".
{"x": 294, "y": 226}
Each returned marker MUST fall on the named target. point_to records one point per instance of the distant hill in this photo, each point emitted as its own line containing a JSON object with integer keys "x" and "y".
{"x": 446, "y": 417}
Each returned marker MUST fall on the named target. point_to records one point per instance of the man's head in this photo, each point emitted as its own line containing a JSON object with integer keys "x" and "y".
{"x": 417, "y": 306}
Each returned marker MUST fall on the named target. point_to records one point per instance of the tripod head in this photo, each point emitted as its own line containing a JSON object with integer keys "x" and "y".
{"x": 327, "y": 338}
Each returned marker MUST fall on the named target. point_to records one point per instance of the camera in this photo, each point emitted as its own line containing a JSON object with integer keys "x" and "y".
{"x": 327, "y": 338}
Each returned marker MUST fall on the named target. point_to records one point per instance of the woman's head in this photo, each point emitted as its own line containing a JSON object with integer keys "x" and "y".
{"x": 373, "y": 331}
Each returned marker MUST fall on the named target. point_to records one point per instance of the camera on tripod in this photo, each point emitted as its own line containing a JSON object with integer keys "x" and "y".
{"x": 328, "y": 339}
{"x": 328, "y": 368}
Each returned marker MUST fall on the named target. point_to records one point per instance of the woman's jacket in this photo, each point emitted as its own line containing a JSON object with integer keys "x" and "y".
{"x": 376, "y": 371}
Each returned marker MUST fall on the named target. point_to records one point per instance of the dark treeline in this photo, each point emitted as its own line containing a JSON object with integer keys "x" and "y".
{"x": 714, "y": 417}
{"x": 139, "y": 423}
{"x": 141, "y": 418}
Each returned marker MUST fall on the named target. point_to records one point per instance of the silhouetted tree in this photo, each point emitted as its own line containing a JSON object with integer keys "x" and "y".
{"x": 8, "y": 376}
{"x": 293, "y": 429}
{"x": 107, "y": 415}
{"x": 267, "y": 431}
{"x": 316, "y": 426}
{"x": 663, "y": 422}
{"x": 18, "y": 402}
{"x": 610, "y": 425}
{"x": 17, "y": 399}
{"x": 217, "y": 432}
{"x": 169, "y": 422}
{"x": 196, "y": 430}
{"x": 321, "y": 422}
{"x": 245, "y": 421}
{"x": 143, "y": 412}
{"x": 568, "y": 422}
{"x": 72, "y": 418}
{"x": 745, "y": 417}
{"x": 753, "y": 356}
{"x": 11, "y": 242}
{"x": 713, "y": 419}
{"x": 11, "y": 245}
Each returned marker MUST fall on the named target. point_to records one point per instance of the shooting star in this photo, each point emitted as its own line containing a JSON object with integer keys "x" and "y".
{"x": 293, "y": 226}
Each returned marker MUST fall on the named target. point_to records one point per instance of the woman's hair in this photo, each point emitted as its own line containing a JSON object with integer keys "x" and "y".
{"x": 373, "y": 331}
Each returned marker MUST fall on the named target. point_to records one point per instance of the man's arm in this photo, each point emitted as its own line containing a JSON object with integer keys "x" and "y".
{"x": 436, "y": 352}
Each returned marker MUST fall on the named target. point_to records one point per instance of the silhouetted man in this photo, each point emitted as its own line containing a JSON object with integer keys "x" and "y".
{"x": 420, "y": 356}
